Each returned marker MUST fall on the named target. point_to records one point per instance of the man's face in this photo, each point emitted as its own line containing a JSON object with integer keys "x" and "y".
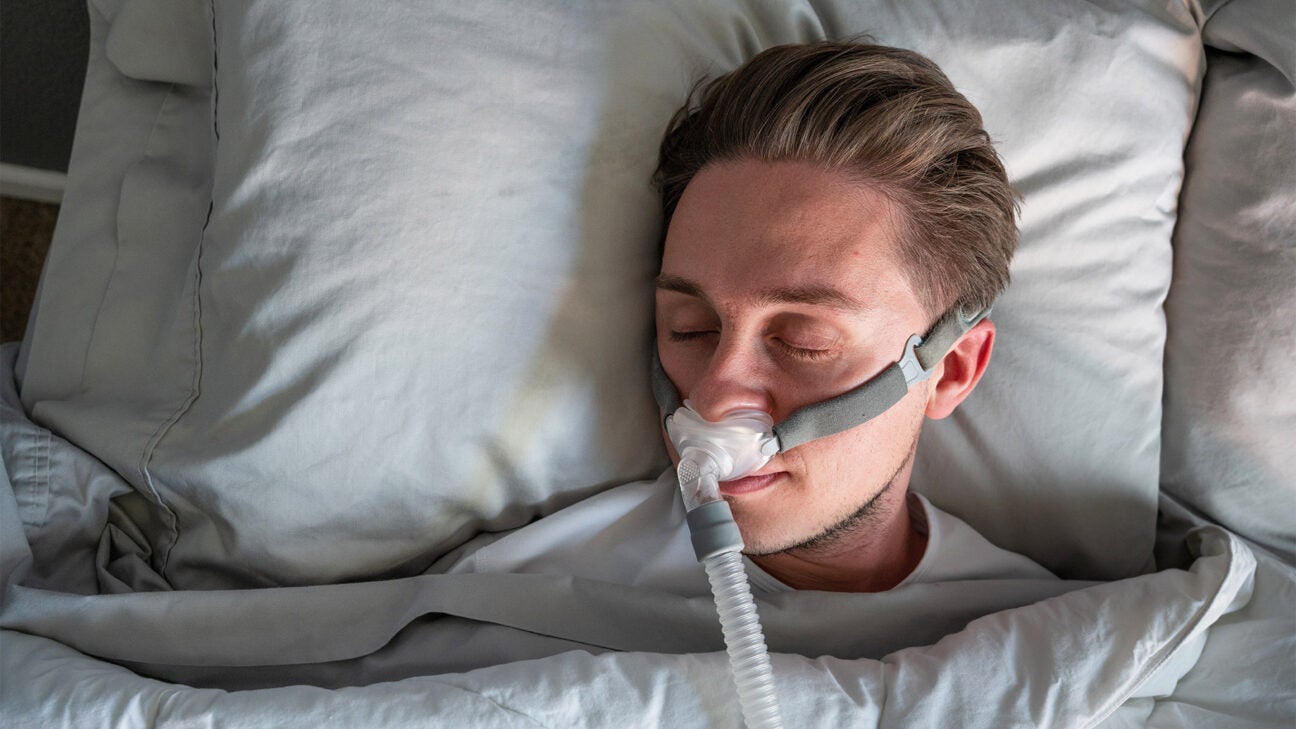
{"x": 780, "y": 287}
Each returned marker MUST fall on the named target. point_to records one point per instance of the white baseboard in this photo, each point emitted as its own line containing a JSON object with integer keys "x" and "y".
{"x": 29, "y": 183}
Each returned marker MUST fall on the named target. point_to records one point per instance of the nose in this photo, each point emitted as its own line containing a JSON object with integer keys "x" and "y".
{"x": 734, "y": 379}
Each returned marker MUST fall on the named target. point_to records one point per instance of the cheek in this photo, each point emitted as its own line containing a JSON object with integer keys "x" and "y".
{"x": 898, "y": 430}
{"x": 680, "y": 366}
{"x": 881, "y": 444}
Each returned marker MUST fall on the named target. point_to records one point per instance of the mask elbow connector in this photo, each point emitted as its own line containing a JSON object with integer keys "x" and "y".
{"x": 713, "y": 531}
{"x": 698, "y": 475}
{"x": 710, "y": 521}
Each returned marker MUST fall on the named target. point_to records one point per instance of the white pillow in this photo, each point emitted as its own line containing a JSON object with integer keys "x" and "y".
{"x": 424, "y": 294}
{"x": 1230, "y": 419}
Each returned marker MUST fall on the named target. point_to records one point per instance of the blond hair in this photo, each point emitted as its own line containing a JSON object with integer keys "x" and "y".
{"x": 887, "y": 117}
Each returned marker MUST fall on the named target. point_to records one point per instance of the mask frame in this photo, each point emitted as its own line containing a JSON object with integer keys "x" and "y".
{"x": 858, "y": 405}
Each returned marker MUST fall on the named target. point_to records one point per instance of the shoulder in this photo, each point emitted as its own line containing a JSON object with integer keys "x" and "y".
{"x": 955, "y": 551}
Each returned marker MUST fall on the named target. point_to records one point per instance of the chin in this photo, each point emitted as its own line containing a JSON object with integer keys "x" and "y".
{"x": 759, "y": 535}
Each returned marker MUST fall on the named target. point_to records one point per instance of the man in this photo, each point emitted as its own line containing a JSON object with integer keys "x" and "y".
{"x": 823, "y": 203}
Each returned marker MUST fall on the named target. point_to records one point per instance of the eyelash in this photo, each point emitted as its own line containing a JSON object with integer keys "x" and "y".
{"x": 690, "y": 336}
{"x": 809, "y": 355}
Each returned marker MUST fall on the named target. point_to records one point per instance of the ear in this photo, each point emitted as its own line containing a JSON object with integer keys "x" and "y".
{"x": 960, "y": 370}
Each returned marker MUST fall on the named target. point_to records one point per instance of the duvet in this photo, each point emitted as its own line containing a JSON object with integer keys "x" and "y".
{"x": 1160, "y": 649}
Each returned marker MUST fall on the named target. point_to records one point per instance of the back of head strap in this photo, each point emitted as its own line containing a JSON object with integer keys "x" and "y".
{"x": 861, "y": 404}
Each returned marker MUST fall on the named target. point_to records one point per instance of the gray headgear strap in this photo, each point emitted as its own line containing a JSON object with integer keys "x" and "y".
{"x": 663, "y": 389}
{"x": 861, "y": 404}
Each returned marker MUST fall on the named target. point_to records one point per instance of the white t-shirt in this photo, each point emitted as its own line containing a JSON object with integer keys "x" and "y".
{"x": 636, "y": 535}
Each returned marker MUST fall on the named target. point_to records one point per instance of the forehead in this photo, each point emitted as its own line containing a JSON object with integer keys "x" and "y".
{"x": 750, "y": 226}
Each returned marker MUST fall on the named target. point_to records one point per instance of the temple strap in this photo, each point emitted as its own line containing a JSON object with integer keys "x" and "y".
{"x": 843, "y": 412}
{"x": 943, "y": 335}
{"x": 878, "y": 394}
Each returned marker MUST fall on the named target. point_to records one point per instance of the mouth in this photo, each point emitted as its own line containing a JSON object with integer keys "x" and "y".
{"x": 749, "y": 484}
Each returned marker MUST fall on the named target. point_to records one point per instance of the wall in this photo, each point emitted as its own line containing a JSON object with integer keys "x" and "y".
{"x": 44, "y": 45}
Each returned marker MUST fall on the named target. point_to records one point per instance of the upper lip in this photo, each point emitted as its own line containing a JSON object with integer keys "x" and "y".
{"x": 760, "y": 472}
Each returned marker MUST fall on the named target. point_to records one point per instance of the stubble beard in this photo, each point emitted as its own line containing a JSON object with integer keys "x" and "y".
{"x": 867, "y": 517}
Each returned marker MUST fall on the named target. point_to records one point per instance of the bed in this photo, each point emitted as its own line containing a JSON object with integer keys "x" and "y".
{"x": 337, "y": 286}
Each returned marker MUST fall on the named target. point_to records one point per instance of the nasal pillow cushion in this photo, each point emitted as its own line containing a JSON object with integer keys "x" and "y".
{"x": 423, "y": 297}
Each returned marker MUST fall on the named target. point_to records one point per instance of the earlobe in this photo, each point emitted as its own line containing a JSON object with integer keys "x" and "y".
{"x": 960, "y": 370}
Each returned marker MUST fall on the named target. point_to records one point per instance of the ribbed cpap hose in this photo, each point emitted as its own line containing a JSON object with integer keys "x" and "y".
{"x": 709, "y": 451}
{"x": 744, "y": 641}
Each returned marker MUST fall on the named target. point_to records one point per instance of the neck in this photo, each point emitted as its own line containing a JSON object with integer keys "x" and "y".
{"x": 877, "y": 556}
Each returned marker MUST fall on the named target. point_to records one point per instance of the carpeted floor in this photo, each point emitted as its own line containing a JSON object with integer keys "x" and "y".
{"x": 25, "y": 231}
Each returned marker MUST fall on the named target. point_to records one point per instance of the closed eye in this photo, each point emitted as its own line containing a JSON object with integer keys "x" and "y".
{"x": 691, "y": 335}
{"x": 809, "y": 355}
{"x": 801, "y": 353}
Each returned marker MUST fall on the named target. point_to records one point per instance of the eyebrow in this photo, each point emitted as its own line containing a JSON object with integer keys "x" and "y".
{"x": 812, "y": 295}
{"x": 678, "y": 284}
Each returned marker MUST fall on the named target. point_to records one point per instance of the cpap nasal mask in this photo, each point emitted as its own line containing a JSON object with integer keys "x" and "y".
{"x": 742, "y": 442}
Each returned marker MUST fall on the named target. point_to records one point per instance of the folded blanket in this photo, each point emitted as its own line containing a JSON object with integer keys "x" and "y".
{"x": 1096, "y": 654}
